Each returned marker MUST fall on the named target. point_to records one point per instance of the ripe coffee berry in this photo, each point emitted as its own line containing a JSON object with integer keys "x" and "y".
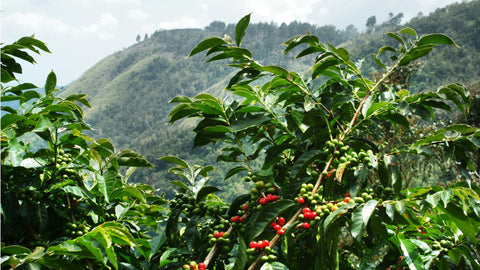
{"x": 202, "y": 266}
{"x": 262, "y": 201}
{"x": 281, "y": 221}
{"x": 245, "y": 207}
{"x": 306, "y": 225}
{"x": 301, "y": 200}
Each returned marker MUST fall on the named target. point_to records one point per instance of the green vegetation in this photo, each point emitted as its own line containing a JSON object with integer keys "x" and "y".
{"x": 130, "y": 89}
{"x": 321, "y": 153}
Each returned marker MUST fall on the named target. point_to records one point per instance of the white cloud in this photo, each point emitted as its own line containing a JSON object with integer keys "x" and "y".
{"x": 137, "y": 14}
{"x": 280, "y": 10}
{"x": 103, "y": 27}
{"x": 35, "y": 22}
{"x": 183, "y": 22}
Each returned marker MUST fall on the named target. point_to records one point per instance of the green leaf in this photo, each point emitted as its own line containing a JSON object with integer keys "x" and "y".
{"x": 249, "y": 122}
{"x": 208, "y": 106}
{"x": 241, "y": 259}
{"x": 458, "y": 94}
{"x": 279, "y": 71}
{"x": 204, "y": 191}
{"x": 410, "y": 254}
{"x": 50, "y": 84}
{"x": 321, "y": 66}
{"x": 360, "y": 218}
{"x": 274, "y": 266}
{"x": 9, "y": 119}
{"x": 308, "y": 104}
{"x": 127, "y": 157}
{"x": 415, "y": 53}
{"x": 436, "y": 39}
{"x": 15, "y": 249}
{"x": 397, "y": 118}
{"x": 396, "y": 37}
{"x": 217, "y": 129}
{"x": 267, "y": 214}
{"x": 241, "y": 28}
{"x": 207, "y": 44}
{"x": 455, "y": 255}
{"x": 80, "y": 98}
{"x": 301, "y": 39}
{"x": 246, "y": 93}
{"x": 180, "y": 184}
{"x": 107, "y": 183}
{"x": 463, "y": 222}
{"x": 130, "y": 192}
{"x": 304, "y": 161}
{"x": 235, "y": 171}
{"x": 180, "y": 99}
{"x": 43, "y": 124}
{"x": 176, "y": 160}
{"x": 408, "y": 31}
{"x": 333, "y": 216}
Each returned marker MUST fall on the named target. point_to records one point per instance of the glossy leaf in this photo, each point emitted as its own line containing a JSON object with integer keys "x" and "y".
{"x": 241, "y": 29}
{"x": 437, "y": 39}
{"x": 268, "y": 213}
{"x": 207, "y": 44}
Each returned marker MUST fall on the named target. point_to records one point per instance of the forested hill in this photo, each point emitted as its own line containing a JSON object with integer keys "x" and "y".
{"x": 130, "y": 89}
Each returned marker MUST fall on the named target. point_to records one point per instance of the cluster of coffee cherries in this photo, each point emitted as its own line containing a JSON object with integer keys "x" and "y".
{"x": 194, "y": 266}
{"x": 255, "y": 247}
{"x": 277, "y": 225}
{"x": 345, "y": 154}
{"x": 367, "y": 195}
{"x": 306, "y": 196}
{"x": 78, "y": 228}
{"x": 189, "y": 206}
{"x": 218, "y": 235}
{"x": 263, "y": 193}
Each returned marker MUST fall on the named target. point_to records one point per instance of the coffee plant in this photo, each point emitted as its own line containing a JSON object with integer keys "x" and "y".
{"x": 325, "y": 190}
{"x": 329, "y": 194}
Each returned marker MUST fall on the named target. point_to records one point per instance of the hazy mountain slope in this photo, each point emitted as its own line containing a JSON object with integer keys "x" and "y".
{"x": 130, "y": 89}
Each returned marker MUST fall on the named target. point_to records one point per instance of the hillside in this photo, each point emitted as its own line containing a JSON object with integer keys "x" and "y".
{"x": 130, "y": 89}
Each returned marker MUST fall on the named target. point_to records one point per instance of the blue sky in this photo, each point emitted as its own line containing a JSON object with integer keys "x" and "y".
{"x": 82, "y": 32}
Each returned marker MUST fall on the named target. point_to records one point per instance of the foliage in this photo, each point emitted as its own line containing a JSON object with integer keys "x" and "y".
{"x": 323, "y": 168}
{"x": 65, "y": 203}
{"x": 134, "y": 85}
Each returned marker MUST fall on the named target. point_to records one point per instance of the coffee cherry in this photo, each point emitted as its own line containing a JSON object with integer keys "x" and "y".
{"x": 301, "y": 200}
{"x": 262, "y": 201}
{"x": 281, "y": 221}
{"x": 305, "y": 225}
{"x": 202, "y": 266}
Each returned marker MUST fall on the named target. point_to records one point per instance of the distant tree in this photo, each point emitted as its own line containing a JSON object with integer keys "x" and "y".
{"x": 145, "y": 37}
{"x": 394, "y": 20}
{"x": 350, "y": 31}
{"x": 216, "y": 26}
{"x": 371, "y": 22}
{"x": 138, "y": 38}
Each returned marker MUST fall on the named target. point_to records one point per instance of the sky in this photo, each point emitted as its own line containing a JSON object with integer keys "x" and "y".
{"x": 82, "y": 32}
